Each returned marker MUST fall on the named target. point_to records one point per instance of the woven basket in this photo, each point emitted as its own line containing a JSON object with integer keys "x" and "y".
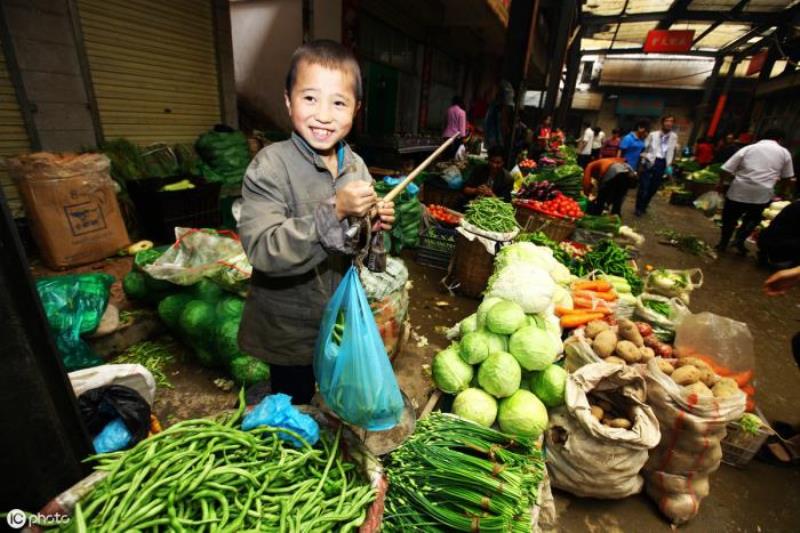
{"x": 436, "y": 195}
{"x": 472, "y": 266}
{"x": 558, "y": 229}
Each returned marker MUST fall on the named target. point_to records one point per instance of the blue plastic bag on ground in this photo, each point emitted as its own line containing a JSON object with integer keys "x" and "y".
{"x": 114, "y": 437}
{"x": 354, "y": 374}
{"x": 277, "y": 410}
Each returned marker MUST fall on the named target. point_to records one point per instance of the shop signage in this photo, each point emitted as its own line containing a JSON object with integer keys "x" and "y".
{"x": 757, "y": 62}
{"x": 668, "y": 41}
{"x": 640, "y": 105}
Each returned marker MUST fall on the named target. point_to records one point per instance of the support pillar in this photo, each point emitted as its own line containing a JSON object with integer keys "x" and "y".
{"x": 573, "y": 65}
{"x": 702, "y": 110}
{"x": 565, "y": 19}
{"x": 723, "y": 98}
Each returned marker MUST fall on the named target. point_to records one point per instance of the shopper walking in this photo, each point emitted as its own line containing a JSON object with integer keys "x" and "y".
{"x": 456, "y": 123}
{"x": 585, "y": 145}
{"x": 659, "y": 151}
{"x": 610, "y": 147}
{"x": 755, "y": 170}
{"x": 632, "y": 145}
{"x": 597, "y": 142}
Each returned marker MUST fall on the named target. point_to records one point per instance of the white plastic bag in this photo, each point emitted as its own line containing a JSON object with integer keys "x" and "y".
{"x": 588, "y": 458}
{"x": 727, "y": 341}
{"x": 710, "y": 202}
{"x": 674, "y": 283}
{"x": 134, "y": 376}
{"x": 678, "y": 311}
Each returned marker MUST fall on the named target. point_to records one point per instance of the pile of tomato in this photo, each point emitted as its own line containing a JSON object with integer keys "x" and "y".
{"x": 444, "y": 215}
{"x": 559, "y": 207}
{"x": 527, "y": 164}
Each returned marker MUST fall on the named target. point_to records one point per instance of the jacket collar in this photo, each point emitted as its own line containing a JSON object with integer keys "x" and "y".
{"x": 344, "y": 154}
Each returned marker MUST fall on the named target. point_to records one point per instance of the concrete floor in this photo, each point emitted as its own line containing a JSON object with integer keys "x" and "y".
{"x": 758, "y": 498}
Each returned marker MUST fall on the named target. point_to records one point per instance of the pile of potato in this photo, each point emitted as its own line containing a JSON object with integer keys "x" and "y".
{"x": 608, "y": 414}
{"x": 634, "y": 342}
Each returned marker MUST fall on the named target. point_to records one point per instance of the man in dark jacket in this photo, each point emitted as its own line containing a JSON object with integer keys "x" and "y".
{"x": 490, "y": 180}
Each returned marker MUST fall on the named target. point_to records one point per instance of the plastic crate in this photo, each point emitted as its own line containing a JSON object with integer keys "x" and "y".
{"x": 436, "y": 247}
{"x": 739, "y": 447}
{"x": 159, "y": 212}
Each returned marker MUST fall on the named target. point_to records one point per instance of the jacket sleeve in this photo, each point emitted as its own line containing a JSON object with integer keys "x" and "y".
{"x": 275, "y": 242}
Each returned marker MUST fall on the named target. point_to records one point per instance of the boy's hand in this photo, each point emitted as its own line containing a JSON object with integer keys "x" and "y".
{"x": 355, "y": 199}
{"x": 386, "y": 214}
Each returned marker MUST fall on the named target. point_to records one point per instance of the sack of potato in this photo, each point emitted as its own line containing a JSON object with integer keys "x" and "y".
{"x": 693, "y": 405}
{"x": 625, "y": 343}
{"x": 598, "y": 442}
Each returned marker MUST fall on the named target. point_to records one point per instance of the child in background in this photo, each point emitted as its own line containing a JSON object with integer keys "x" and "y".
{"x": 297, "y": 197}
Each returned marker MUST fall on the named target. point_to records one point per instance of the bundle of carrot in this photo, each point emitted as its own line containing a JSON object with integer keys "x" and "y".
{"x": 591, "y": 300}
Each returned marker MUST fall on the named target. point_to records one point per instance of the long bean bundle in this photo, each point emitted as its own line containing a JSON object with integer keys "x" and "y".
{"x": 456, "y": 475}
{"x": 204, "y": 475}
{"x": 491, "y": 214}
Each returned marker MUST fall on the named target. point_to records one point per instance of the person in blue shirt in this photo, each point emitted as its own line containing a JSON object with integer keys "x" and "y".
{"x": 632, "y": 144}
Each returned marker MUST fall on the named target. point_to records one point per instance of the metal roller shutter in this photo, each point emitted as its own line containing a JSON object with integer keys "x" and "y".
{"x": 153, "y": 67}
{"x": 13, "y": 136}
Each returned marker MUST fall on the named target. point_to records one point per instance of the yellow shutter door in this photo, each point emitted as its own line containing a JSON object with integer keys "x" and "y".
{"x": 13, "y": 136}
{"x": 153, "y": 67}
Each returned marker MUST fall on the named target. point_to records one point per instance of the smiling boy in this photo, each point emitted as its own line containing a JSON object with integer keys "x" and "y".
{"x": 297, "y": 197}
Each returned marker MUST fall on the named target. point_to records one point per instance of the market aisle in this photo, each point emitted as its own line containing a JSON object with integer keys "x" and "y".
{"x": 759, "y": 498}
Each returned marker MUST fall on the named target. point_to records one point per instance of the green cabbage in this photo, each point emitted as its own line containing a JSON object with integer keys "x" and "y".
{"x": 504, "y": 318}
{"x": 522, "y": 414}
{"x": 171, "y": 307}
{"x": 477, "y": 406}
{"x": 450, "y": 373}
{"x": 500, "y": 375}
{"x": 549, "y": 385}
{"x": 468, "y": 325}
{"x": 534, "y": 348}
{"x": 484, "y": 308}
{"x": 478, "y": 345}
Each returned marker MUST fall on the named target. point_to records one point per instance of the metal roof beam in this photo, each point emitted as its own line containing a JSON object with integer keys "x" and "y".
{"x": 737, "y": 8}
{"x": 640, "y": 50}
{"x": 677, "y": 11}
{"x": 753, "y": 32}
{"x": 691, "y": 16}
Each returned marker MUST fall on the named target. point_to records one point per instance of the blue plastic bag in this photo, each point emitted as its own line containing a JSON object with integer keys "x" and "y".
{"x": 113, "y": 437}
{"x": 412, "y": 188}
{"x": 277, "y": 410}
{"x": 354, "y": 374}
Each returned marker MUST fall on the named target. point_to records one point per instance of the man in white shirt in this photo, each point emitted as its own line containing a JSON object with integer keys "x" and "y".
{"x": 755, "y": 169}
{"x": 659, "y": 150}
{"x": 597, "y": 142}
{"x": 585, "y": 145}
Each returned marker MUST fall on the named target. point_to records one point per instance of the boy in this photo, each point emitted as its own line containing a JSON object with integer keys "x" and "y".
{"x": 489, "y": 180}
{"x": 297, "y": 197}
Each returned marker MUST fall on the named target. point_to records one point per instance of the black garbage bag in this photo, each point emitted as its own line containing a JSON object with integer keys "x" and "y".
{"x": 102, "y": 405}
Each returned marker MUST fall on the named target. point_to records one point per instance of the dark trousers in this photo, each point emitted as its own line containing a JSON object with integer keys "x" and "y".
{"x": 613, "y": 193}
{"x": 295, "y": 381}
{"x": 450, "y": 153}
{"x": 584, "y": 160}
{"x": 649, "y": 183}
{"x": 731, "y": 213}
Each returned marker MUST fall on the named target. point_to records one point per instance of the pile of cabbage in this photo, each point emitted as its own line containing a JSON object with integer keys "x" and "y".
{"x": 502, "y": 366}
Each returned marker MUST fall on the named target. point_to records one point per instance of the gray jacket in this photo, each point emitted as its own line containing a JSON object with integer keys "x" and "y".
{"x": 297, "y": 246}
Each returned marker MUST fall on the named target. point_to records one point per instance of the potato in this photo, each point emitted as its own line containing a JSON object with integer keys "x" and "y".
{"x": 629, "y": 332}
{"x": 622, "y": 423}
{"x": 708, "y": 377}
{"x": 604, "y": 343}
{"x": 595, "y": 327}
{"x": 628, "y": 351}
{"x": 597, "y": 412}
{"x": 665, "y": 366}
{"x": 698, "y": 388}
{"x": 647, "y": 353}
{"x": 725, "y": 388}
{"x": 614, "y": 360}
{"x": 686, "y": 375}
{"x": 694, "y": 361}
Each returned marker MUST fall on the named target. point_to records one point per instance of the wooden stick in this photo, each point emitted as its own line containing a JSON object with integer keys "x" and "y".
{"x": 422, "y": 166}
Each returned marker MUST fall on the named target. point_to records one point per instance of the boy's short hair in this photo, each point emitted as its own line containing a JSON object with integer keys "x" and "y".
{"x": 329, "y": 54}
{"x": 496, "y": 151}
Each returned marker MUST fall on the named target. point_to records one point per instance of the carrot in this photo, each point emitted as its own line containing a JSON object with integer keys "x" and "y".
{"x": 750, "y": 406}
{"x": 749, "y": 390}
{"x": 609, "y": 296}
{"x": 579, "y": 319}
{"x": 742, "y": 378}
{"x": 585, "y": 303}
{"x": 596, "y": 285}
{"x": 563, "y": 311}
{"x": 716, "y": 367}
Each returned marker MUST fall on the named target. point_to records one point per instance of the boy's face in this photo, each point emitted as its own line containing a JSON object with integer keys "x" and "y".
{"x": 496, "y": 164}
{"x": 322, "y": 105}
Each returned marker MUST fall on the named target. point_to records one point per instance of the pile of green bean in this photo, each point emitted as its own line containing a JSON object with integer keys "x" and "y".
{"x": 491, "y": 214}
{"x": 204, "y": 475}
{"x": 456, "y": 475}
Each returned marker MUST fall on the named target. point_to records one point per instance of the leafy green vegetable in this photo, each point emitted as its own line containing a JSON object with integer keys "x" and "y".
{"x": 468, "y": 325}
{"x": 450, "y": 373}
{"x": 549, "y": 385}
{"x": 662, "y": 308}
{"x": 476, "y": 405}
{"x": 750, "y": 423}
{"x": 500, "y": 374}
{"x": 477, "y": 346}
{"x": 522, "y": 414}
{"x": 534, "y": 347}
{"x": 505, "y": 318}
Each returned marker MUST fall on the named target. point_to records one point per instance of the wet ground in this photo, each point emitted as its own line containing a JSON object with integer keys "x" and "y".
{"x": 761, "y": 497}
